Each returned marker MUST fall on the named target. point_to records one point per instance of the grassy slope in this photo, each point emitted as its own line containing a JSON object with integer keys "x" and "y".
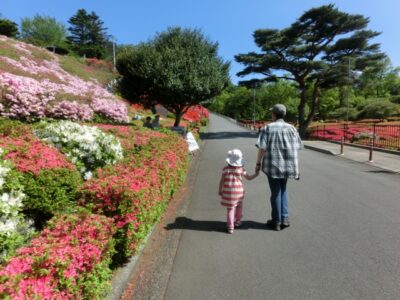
{"x": 71, "y": 64}
{"x": 78, "y": 67}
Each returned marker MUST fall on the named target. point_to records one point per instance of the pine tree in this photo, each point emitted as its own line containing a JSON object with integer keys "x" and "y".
{"x": 315, "y": 52}
{"x": 88, "y": 36}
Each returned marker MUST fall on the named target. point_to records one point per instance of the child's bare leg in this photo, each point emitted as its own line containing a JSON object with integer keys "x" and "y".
{"x": 230, "y": 219}
{"x": 238, "y": 214}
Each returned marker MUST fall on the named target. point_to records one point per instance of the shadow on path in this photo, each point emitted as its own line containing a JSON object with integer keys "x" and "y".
{"x": 228, "y": 135}
{"x": 218, "y": 226}
{"x": 382, "y": 172}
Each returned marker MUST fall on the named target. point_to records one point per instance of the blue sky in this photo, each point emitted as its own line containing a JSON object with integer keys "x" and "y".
{"x": 228, "y": 22}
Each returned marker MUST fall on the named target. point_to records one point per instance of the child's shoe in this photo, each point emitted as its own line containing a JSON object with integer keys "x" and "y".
{"x": 229, "y": 230}
{"x": 238, "y": 224}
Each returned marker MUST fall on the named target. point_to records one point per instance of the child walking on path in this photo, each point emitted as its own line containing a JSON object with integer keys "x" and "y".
{"x": 231, "y": 188}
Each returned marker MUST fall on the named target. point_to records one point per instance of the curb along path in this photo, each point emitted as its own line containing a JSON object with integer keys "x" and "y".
{"x": 388, "y": 161}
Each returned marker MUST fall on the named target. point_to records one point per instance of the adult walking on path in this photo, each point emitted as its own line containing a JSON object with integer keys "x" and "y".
{"x": 278, "y": 144}
{"x": 345, "y": 244}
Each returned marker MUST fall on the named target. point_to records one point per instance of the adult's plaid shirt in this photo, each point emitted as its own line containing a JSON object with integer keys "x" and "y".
{"x": 280, "y": 141}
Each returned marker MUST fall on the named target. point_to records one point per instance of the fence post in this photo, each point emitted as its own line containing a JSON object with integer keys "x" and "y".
{"x": 372, "y": 142}
{"x": 343, "y": 131}
{"x": 341, "y": 145}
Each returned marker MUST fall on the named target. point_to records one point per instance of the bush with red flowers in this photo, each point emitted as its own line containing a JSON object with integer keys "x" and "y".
{"x": 135, "y": 192}
{"x": 196, "y": 113}
{"x": 50, "y": 181}
{"x": 69, "y": 260}
{"x": 72, "y": 257}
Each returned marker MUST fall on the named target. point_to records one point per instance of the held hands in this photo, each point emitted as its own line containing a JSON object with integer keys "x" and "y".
{"x": 251, "y": 177}
{"x": 257, "y": 169}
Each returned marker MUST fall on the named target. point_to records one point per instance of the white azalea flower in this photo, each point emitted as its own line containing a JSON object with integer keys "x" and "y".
{"x": 84, "y": 144}
{"x": 88, "y": 175}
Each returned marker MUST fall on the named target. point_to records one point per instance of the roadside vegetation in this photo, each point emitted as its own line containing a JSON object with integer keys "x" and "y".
{"x": 81, "y": 182}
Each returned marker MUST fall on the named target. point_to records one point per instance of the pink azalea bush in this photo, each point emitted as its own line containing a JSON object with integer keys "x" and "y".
{"x": 32, "y": 89}
{"x": 112, "y": 110}
{"x": 69, "y": 260}
{"x": 71, "y": 111}
{"x": 23, "y": 98}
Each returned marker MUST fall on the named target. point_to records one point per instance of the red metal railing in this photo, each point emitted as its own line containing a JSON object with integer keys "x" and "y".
{"x": 378, "y": 136}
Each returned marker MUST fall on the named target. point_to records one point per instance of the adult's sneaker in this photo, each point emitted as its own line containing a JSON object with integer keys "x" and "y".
{"x": 285, "y": 223}
{"x": 273, "y": 226}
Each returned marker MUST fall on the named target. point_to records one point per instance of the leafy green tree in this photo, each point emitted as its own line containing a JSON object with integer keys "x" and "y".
{"x": 378, "y": 108}
{"x": 241, "y": 102}
{"x": 314, "y": 52}
{"x": 217, "y": 104}
{"x": 380, "y": 81}
{"x": 240, "y": 106}
{"x": 179, "y": 68}
{"x": 281, "y": 91}
{"x": 43, "y": 31}
{"x": 88, "y": 35}
{"x": 371, "y": 81}
{"x": 8, "y": 28}
{"x": 392, "y": 81}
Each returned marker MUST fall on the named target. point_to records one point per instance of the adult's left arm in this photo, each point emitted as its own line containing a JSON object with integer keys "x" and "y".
{"x": 260, "y": 156}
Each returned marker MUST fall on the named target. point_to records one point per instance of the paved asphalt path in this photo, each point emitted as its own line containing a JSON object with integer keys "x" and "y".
{"x": 344, "y": 242}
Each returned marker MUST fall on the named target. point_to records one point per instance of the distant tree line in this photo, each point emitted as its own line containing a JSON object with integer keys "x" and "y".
{"x": 85, "y": 36}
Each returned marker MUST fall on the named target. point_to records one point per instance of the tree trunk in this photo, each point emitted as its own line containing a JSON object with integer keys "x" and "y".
{"x": 303, "y": 121}
{"x": 342, "y": 97}
{"x": 314, "y": 103}
{"x": 178, "y": 117}
{"x": 301, "y": 108}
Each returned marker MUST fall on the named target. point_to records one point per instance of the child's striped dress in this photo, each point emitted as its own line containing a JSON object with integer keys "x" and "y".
{"x": 232, "y": 189}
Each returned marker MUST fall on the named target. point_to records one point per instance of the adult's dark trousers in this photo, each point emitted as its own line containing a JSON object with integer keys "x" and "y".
{"x": 279, "y": 199}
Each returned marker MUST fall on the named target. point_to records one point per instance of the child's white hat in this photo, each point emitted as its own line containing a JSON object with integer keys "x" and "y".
{"x": 235, "y": 158}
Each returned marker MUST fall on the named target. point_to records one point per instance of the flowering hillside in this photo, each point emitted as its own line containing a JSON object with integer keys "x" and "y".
{"x": 85, "y": 223}
{"x": 77, "y": 198}
{"x": 33, "y": 85}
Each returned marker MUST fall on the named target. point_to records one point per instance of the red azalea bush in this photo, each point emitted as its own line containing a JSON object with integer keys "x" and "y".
{"x": 117, "y": 130}
{"x": 29, "y": 154}
{"x": 196, "y": 113}
{"x": 385, "y": 136}
{"x": 69, "y": 260}
{"x": 42, "y": 166}
{"x": 135, "y": 192}
{"x": 131, "y": 138}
